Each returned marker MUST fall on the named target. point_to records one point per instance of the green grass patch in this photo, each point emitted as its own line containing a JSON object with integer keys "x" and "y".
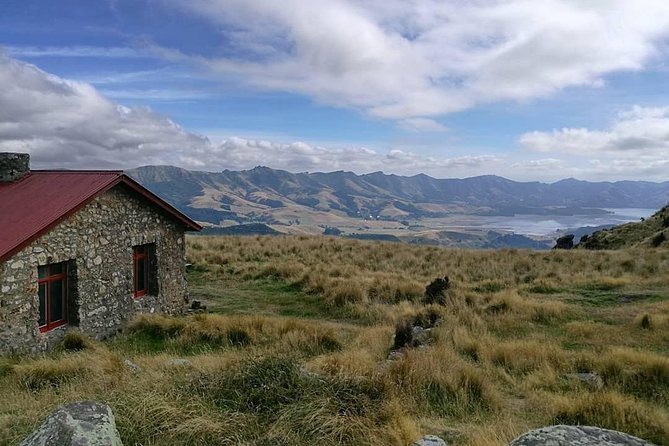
{"x": 267, "y": 296}
{"x": 489, "y": 287}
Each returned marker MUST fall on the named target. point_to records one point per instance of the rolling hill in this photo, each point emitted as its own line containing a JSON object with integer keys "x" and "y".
{"x": 651, "y": 232}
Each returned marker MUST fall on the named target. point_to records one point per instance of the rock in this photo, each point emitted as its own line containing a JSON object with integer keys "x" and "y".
{"x": 420, "y": 336}
{"x": 84, "y": 423}
{"x": 591, "y": 379}
{"x": 430, "y": 440}
{"x": 197, "y": 307}
{"x": 564, "y": 242}
{"x": 178, "y": 362}
{"x": 131, "y": 366}
{"x": 394, "y": 355}
{"x": 576, "y": 436}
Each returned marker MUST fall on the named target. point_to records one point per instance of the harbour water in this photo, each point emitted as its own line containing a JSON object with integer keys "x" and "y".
{"x": 546, "y": 225}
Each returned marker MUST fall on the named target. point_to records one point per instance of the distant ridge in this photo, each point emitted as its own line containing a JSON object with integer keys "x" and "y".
{"x": 248, "y": 195}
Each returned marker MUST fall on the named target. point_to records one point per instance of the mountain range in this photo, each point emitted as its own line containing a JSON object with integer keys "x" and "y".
{"x": 274, "y": 196}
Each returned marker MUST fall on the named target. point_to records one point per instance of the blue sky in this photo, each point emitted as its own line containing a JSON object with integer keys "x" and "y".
{"x": 531, "y": 90}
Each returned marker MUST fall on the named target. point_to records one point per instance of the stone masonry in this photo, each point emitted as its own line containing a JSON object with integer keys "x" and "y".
{"x": 97, "y": 241}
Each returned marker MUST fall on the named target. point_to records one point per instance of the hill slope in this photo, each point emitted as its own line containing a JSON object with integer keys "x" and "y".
{"x": 653, "y": 232}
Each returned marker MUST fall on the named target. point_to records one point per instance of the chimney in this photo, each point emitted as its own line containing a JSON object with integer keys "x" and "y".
{"x": 13, "y": 166}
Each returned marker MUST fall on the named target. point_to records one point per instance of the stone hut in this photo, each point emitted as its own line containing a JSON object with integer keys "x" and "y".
{"x": 84, "y": 249}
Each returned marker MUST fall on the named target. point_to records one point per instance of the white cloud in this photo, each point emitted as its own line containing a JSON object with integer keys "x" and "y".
{"x": 75, "y": 51}
{"x": 408, "y": 60}
{"x": 544, "y": 164}
{"x": 422, "y": 124}
{"x": 68, "y": 124}
{"x": 639, "y": 131}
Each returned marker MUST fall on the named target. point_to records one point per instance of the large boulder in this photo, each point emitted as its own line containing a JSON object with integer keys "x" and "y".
{"x": 576, "y": 436}
{"x": 430, "y": 440}
{"x": 84, "y": 423}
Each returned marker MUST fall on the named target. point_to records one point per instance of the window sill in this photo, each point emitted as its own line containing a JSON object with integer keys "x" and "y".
{"x": 50, "y": 327}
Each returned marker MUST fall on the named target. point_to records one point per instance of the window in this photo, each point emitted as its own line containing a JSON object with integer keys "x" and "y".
{"x": 53, "y": 295}
{"x": 144, "y": 270}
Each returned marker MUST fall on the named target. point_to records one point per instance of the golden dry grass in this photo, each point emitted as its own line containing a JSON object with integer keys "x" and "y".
{"x": 512, "y": 325}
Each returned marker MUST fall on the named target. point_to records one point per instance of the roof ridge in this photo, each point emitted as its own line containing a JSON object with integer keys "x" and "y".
{"x": 61, "y": 171}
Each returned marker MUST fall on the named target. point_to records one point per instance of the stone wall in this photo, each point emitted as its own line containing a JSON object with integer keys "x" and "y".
{"x": 98, "y": 241}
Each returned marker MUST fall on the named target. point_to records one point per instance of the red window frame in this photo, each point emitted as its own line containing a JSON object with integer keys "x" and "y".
{"x": 140, "y": 253}
{"x": 47, "y": 281}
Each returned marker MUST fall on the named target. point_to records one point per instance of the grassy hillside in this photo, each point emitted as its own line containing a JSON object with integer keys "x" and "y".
{"x": 296, "y": 349}
{"x": 651, "y": 232}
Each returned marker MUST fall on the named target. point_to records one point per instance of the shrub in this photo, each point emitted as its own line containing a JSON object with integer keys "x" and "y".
{"x": 238, "y": 336}
{"x": 658, "y": 239}
{"x": 6, "y": 367}
{"x": 435, "y": 291}
{"x": 75, "y": 341}
{"x": 157, "y": 327}
{"x": 403, "y": 334}
{"x": 645, "y": 322}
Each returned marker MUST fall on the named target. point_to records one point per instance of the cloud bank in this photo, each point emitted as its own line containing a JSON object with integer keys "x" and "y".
{"x": 68, "y": 124}
{"x": 639, "y": 131}
{"x": 412, "y": 61}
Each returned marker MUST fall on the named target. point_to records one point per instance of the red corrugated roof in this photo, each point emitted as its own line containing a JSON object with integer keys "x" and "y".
{"x": 34, "y": 204}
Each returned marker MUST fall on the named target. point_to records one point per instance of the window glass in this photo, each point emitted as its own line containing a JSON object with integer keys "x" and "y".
{"x": 141, "y": 274}
{"x": 144, "y": 270}
{"x": 52, "y": 292}
{"x": 42, "y": 304}
{"x": 56, "y": 268}
{"x": 57, "y": 301}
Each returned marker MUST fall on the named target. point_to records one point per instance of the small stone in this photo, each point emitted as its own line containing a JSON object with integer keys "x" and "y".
{"x": 394, "y": 355}
{"x": 591, "y": 379}
{"x": 6, "y": 288}
{"x": 179, "y": 362}
{"x": 430, "y": 440}
{"x": 18, "y": 264}
{"x": 97, "y": 261}
{"x": 131, "y": 366}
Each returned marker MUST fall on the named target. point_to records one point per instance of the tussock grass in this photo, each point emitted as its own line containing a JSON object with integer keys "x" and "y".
{"x": 642, "y": 374}
{"x": 300, "y": 352}
{"x": 612, "y": 410}
{"x": 75, "y": 341}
